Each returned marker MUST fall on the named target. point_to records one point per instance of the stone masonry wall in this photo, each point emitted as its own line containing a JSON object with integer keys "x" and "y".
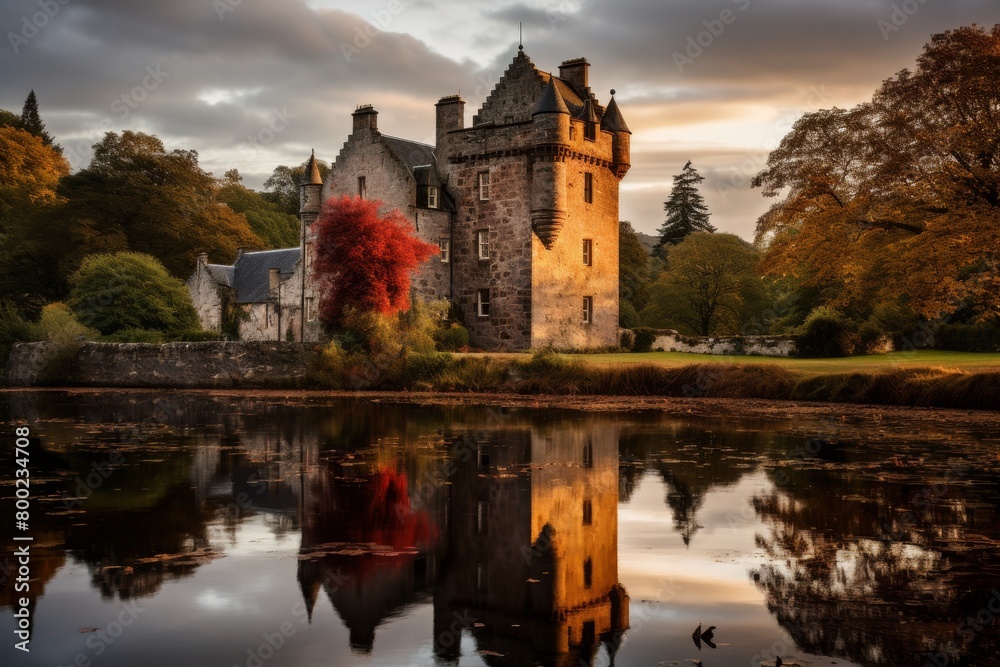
{"x": 507, "y": 272}
{"x": 205, "y": 294}
{"x": 560, "y": 280}
{"x": 765, "y": 346}
{"x": 181, "y": 365}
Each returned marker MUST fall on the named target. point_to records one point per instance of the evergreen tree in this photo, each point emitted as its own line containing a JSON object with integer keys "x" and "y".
{"x": 686, "y": 210}
{"x": 31, "y": 121}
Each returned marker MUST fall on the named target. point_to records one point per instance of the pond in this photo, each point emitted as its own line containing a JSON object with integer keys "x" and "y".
{"x": 201, "y": 528}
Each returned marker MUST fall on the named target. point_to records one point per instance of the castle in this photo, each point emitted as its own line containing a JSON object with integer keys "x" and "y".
{"x": 523, "y": 206}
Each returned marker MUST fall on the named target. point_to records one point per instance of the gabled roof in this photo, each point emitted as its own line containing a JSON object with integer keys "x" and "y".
{"x": 251, "y": 273}
{"x": 411, "y": 153}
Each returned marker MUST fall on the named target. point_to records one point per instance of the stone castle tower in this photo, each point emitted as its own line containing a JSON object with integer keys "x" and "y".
{"x": 523, "y": 204}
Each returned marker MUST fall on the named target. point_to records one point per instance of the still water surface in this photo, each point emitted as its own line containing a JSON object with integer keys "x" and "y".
{"x": 202, "y": 529}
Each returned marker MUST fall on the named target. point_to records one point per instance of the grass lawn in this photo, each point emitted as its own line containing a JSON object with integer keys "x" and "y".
{"x": 962, "y": 361}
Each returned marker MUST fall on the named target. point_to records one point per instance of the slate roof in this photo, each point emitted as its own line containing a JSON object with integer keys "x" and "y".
{"x": 251, "y": 272}
{"x": 613, "y": 120}
{"x": 221, "y": 273}
{"x": 550, "y": 101}
{"x": 412, "y": 153}
{"x": 566, "y": 91}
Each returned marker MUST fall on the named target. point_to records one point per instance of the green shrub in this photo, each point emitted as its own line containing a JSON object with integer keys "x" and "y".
{"x": 627, "y": 340}
{"x": 452, "y": 338}
{"x": 130, "y": 290}
{"x": 979, "y": 337}
{"x": 424, "y": 368}
{"x": 64, "y": 335}
{"x": 135, "y": 336}
{"x": 644, "y": 339}
{"x": 827, "y": 333}
{"x": 13, "y": 329}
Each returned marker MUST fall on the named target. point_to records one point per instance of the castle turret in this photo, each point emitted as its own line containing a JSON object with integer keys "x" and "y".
{"x": 310, "y": 193}
{"x": 548, "y": 174}
{"x": 622, "y": 136}
{"x": 450, "y": 117}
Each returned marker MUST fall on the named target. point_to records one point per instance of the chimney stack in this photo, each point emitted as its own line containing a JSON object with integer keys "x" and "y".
{"x": 575, "y": 72}
{"x": 450, "y": 116}
{"x": 365, "y": 118}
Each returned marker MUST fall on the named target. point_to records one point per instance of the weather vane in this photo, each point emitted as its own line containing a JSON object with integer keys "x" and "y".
{"x": 520, "y": 35}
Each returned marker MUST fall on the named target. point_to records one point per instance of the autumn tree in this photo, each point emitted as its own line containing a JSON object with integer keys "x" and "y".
{"x": 29, "y": 177}
{"x": 128, "y": 290}
{"x": 633, "y": 275}
{"x": 274, "y": 227}
{"x": 9, "y": 119}
{"x": 710, "y": 286}
{"x": 686, "y": 209}
{"x": 365, "y": 259}
{"x": 136, "y": 195}
{"x": 897, "y": 201}
{"x": 282, "y": 187}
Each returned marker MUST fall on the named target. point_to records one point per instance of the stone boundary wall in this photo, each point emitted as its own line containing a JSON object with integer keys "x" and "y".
{"x": 209, "y": 365}
{"x": 765, "y": 346}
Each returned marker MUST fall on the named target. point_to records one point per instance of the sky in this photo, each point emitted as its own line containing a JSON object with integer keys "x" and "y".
{"x": 251, "y": 84}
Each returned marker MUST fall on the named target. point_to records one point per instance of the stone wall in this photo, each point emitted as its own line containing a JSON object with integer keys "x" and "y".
{"x": 183, "y": 365}
{"x": 560, "y": 280}
{"x": 765, "y": 346}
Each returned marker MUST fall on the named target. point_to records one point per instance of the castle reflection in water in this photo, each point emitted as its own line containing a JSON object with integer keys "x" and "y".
{"x": 513, "y": 533}
{"x": 504, "y": 523}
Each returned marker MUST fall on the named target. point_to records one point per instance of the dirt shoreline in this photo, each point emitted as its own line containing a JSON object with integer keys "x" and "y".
{"x": 695, "y": 407}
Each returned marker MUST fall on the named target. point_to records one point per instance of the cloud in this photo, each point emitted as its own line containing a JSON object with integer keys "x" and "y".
{"x": 233, "y": 65}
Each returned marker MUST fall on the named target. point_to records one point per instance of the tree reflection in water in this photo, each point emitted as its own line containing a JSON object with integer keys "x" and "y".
{"x": 504, "y": 523}
{"x": 882, "y": 561}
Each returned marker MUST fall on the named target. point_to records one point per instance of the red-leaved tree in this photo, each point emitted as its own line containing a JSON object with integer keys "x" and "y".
{"x": 364, "y": 259}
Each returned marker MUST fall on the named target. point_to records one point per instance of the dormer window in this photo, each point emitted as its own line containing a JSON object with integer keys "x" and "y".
{"x": 432, "y": 197}
{"x": 362, "y": 187}
{"x": 590, "y": 131}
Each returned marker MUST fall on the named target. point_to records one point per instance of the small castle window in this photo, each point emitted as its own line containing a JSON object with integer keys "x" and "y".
{"x": 588, "y": 188}
{"x": 588, "y": 252}
{"x": 483, "y": 303}
{"x": 588, "y": 309}
{"x": 588, "y": 455}
{"x": 588, "y": 573}
{"x": 445, "y": 246}
{"x": 432, "y": 197}
{"x": 484, "y": 186}
{"x": 481, "y": 577}
{"x": 483, "y": 243}
{"x": 588, "y": 512}
{"x": 590, "y": 131}
{"x": 362, "y": 187}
